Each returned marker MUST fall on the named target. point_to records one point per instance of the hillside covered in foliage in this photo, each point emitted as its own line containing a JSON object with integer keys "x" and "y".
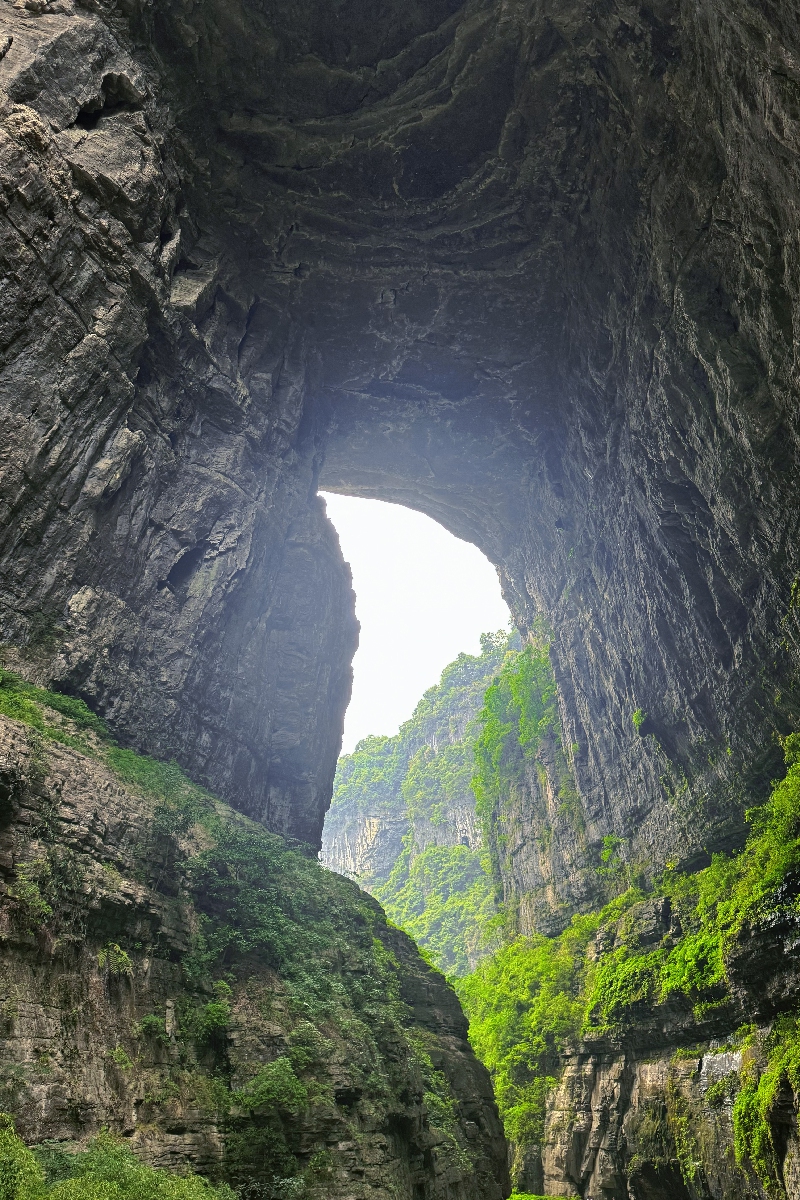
{"x": 177, "y": 972}
{"x": 403, "y": 819}
{"x": 654, "y": 966}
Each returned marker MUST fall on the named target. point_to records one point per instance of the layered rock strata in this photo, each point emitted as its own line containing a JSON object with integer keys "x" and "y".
{"x": 527, "y": 266}
{"x": 645, "y": 1110}
{"x": 160, "y": 536}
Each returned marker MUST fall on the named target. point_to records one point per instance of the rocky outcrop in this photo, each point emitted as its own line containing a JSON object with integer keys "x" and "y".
{"x": 645, "y": 1110}
{"x": 642, "y": 1129}
{"x": 160, "y": 536}
{"x": 366, "y": 847}
{"x": 103, "y": 1023}
{"x": 526, "y": 266}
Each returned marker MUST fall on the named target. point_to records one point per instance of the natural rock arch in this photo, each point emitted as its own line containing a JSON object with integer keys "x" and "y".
{"x": 528, "y": 267}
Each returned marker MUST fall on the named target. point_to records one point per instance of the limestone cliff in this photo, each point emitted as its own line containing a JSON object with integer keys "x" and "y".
{"x": 403, "y": 820}
{"x": 528, "y": 266}
{"x": 376, "y": 802}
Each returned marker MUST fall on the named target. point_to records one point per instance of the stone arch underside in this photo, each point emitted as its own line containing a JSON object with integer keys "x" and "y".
{"x": 529, "y": 267}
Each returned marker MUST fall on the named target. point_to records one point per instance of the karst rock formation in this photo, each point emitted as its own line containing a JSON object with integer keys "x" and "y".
{"x": 529, "y": 266}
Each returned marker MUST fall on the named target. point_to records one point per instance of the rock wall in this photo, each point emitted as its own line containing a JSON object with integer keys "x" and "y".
{"x": 643, "y": 1110}
{"x": 641, "y": 1129}
{"x": 528, "y": 266}
{"x": 160, "y": 536}
{"x": 366, "y": 848}
{"x": 78, "y": 988}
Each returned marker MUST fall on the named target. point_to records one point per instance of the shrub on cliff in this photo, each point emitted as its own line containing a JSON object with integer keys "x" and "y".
{"x": 534, "y": 997}
{"x": 108, "y": 1170}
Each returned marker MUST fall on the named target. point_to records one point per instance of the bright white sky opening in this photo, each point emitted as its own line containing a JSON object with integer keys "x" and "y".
{"x": 422, "y": 596}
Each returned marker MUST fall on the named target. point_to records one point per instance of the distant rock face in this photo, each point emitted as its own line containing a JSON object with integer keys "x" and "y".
{"x": 366, "y": 847}
{"x": 393, "y": 791}
{"x": 531, "y": 268}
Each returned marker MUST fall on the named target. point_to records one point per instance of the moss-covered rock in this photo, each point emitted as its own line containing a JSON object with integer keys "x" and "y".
{"x": 173, "y": 971}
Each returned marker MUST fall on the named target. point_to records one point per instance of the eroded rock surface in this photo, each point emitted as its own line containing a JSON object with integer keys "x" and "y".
{"x": 529, "y": 267}
{"x": 98, "y": 1016}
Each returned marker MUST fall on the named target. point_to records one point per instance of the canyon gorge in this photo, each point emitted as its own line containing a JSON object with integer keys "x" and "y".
{"x": 530, "y": 267}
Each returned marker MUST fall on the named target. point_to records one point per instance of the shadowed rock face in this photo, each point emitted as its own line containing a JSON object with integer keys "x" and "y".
{"x": 528, "y": 267}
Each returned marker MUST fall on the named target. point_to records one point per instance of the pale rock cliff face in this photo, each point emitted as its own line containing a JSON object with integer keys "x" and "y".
{"x": 624, "y": 1127}
{"x": 366, "y": 847}
{"x": 368, "y": 821}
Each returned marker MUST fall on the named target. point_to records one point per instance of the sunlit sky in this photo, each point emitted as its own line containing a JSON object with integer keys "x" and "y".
{"x": 422, "y": 596}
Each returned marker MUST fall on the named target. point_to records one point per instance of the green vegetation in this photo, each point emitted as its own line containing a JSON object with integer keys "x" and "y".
{"x": 534, "y": 997}
{"x": 108, "y": 1170}
{"x": 531, "y": 1196}
{"x": 163, "y": 781}
{"x": 443, "y": 898}
{"x": 638, "y": 717}
{"x": 114, "y": 960}
{"x": 300, "y": 943}
{"x": 770, "y": 1062}
{"x": 518, "y": 709}
{"x": 520, "y": 760}
{"x": 438, "y": 890}
{"x": 152, "y": 1026}
{"x": 275, "y": 1086}
{"x": 526, "y": 1004}
{"x": 440, "y": 1101}
{"x": 24, "y": 702}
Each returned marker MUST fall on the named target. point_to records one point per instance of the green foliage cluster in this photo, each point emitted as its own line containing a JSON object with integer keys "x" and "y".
{"x": 377, "y": 778}
{"x": 770, "y": 1062}
{"x": 114, "y": 960}
{"x": 441, "y": 894}
{"x": 181, "y": 799}
{"x": 24, "y": 702}
{"x": 120, "y": 1057}
{"x": 437, "y": 780}
{"x": 108, "y": 1170}
{"x": 526, "y": 1004}
{"x": 444, "y": 899}
{"x": 152, "y": 1026}
{"x": 531, "y": 1196}
{"x": 534, "y": 997}
{"x": 258, "y": 899}
{"x": 47, "y": 885}
{"x": 275, "y": 1086}
{"x": 519, "y": 707}
{"x": 261, "y": 904}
